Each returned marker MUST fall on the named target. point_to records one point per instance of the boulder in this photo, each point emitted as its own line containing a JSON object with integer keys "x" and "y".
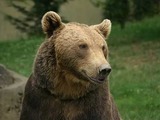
{"x": 5, "y": 77}
{"x": 11, "y": 94}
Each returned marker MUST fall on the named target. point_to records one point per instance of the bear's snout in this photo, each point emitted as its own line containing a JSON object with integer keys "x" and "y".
{"x": 104, "y": 71}
{"x": 101, "y": 75}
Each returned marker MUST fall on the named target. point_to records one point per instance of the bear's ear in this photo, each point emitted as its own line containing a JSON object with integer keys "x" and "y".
{"x": 50, "y": 22}
{"x": 104, "y": 27}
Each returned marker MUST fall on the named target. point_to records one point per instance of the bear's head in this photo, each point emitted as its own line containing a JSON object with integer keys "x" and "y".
{"x": 73, "y": 59}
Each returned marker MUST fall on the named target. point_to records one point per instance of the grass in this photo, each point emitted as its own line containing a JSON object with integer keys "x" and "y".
{"x": 135, "y": 79}
{"x": 19, "y": 55}
{"x": 135, "y": 60}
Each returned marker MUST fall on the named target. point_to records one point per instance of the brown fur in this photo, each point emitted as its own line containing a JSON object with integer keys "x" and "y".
{"x": 65, "y": 83}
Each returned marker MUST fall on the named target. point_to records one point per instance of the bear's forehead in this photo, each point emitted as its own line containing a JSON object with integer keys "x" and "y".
{"x": 76, "y": 31}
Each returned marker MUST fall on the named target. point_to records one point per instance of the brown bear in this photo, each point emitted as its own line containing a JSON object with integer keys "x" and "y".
{"x": 70, "y": 74}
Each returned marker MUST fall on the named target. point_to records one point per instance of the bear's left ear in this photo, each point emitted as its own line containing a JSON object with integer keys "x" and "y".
{"x": 50, "y": 22}
{"x": 104, "y": 27}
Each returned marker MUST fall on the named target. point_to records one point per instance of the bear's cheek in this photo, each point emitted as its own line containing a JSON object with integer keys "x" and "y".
{"x": 66, "y": 58}
{"x": 87, "y": 68}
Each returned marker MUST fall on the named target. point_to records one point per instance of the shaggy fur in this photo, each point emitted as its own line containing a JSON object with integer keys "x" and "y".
{"x": 69, "y": 81}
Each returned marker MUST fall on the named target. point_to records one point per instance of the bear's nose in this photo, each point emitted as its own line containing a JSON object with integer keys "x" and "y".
{"x": 104, "y": 69}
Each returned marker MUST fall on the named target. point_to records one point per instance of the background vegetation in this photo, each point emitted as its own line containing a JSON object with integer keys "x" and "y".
{"x": 135, "y": 59}
{"x": 121, "y": 11}
{"x": 30, "y": 22}
{"x": 117, "y": 11}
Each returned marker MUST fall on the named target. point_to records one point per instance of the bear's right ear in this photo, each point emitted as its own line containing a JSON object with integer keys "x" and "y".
{"x": 50, "y": 22}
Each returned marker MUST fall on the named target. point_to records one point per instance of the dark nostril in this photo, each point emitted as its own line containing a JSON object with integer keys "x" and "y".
{"x": 104, "y": 70}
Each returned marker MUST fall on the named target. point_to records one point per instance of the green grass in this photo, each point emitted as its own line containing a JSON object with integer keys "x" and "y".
{"x": 147, "y": 30}
{"x": 135, "y": 60}
{"x": 19, "y": 55}
{"x": 135, "y": 79}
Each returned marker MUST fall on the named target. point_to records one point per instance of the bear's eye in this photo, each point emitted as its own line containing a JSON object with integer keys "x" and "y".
{"x": 83, "y": 46}
{"x": 103, "y": 48}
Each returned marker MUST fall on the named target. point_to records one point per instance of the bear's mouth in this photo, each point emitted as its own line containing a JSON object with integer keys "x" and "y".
{"x": 98, "y": 79}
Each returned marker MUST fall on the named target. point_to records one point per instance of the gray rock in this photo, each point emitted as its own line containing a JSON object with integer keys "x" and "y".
{"x": 5, "y": 77}
{"x": 11, "y": 95}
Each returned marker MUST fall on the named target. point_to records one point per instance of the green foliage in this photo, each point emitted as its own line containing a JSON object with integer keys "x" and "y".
{"x": 144, "y": 8}
{"x": 31, "y": 22}
{"x": 117, "y": 11}
{"x": 121, "y": 11}
{"x": 142, "y": 31}
{"x": 135, "y": 61}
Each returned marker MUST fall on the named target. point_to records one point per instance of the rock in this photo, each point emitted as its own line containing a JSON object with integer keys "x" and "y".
{"x": 11, "y": 95}
{"x": 5, "y": 77}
